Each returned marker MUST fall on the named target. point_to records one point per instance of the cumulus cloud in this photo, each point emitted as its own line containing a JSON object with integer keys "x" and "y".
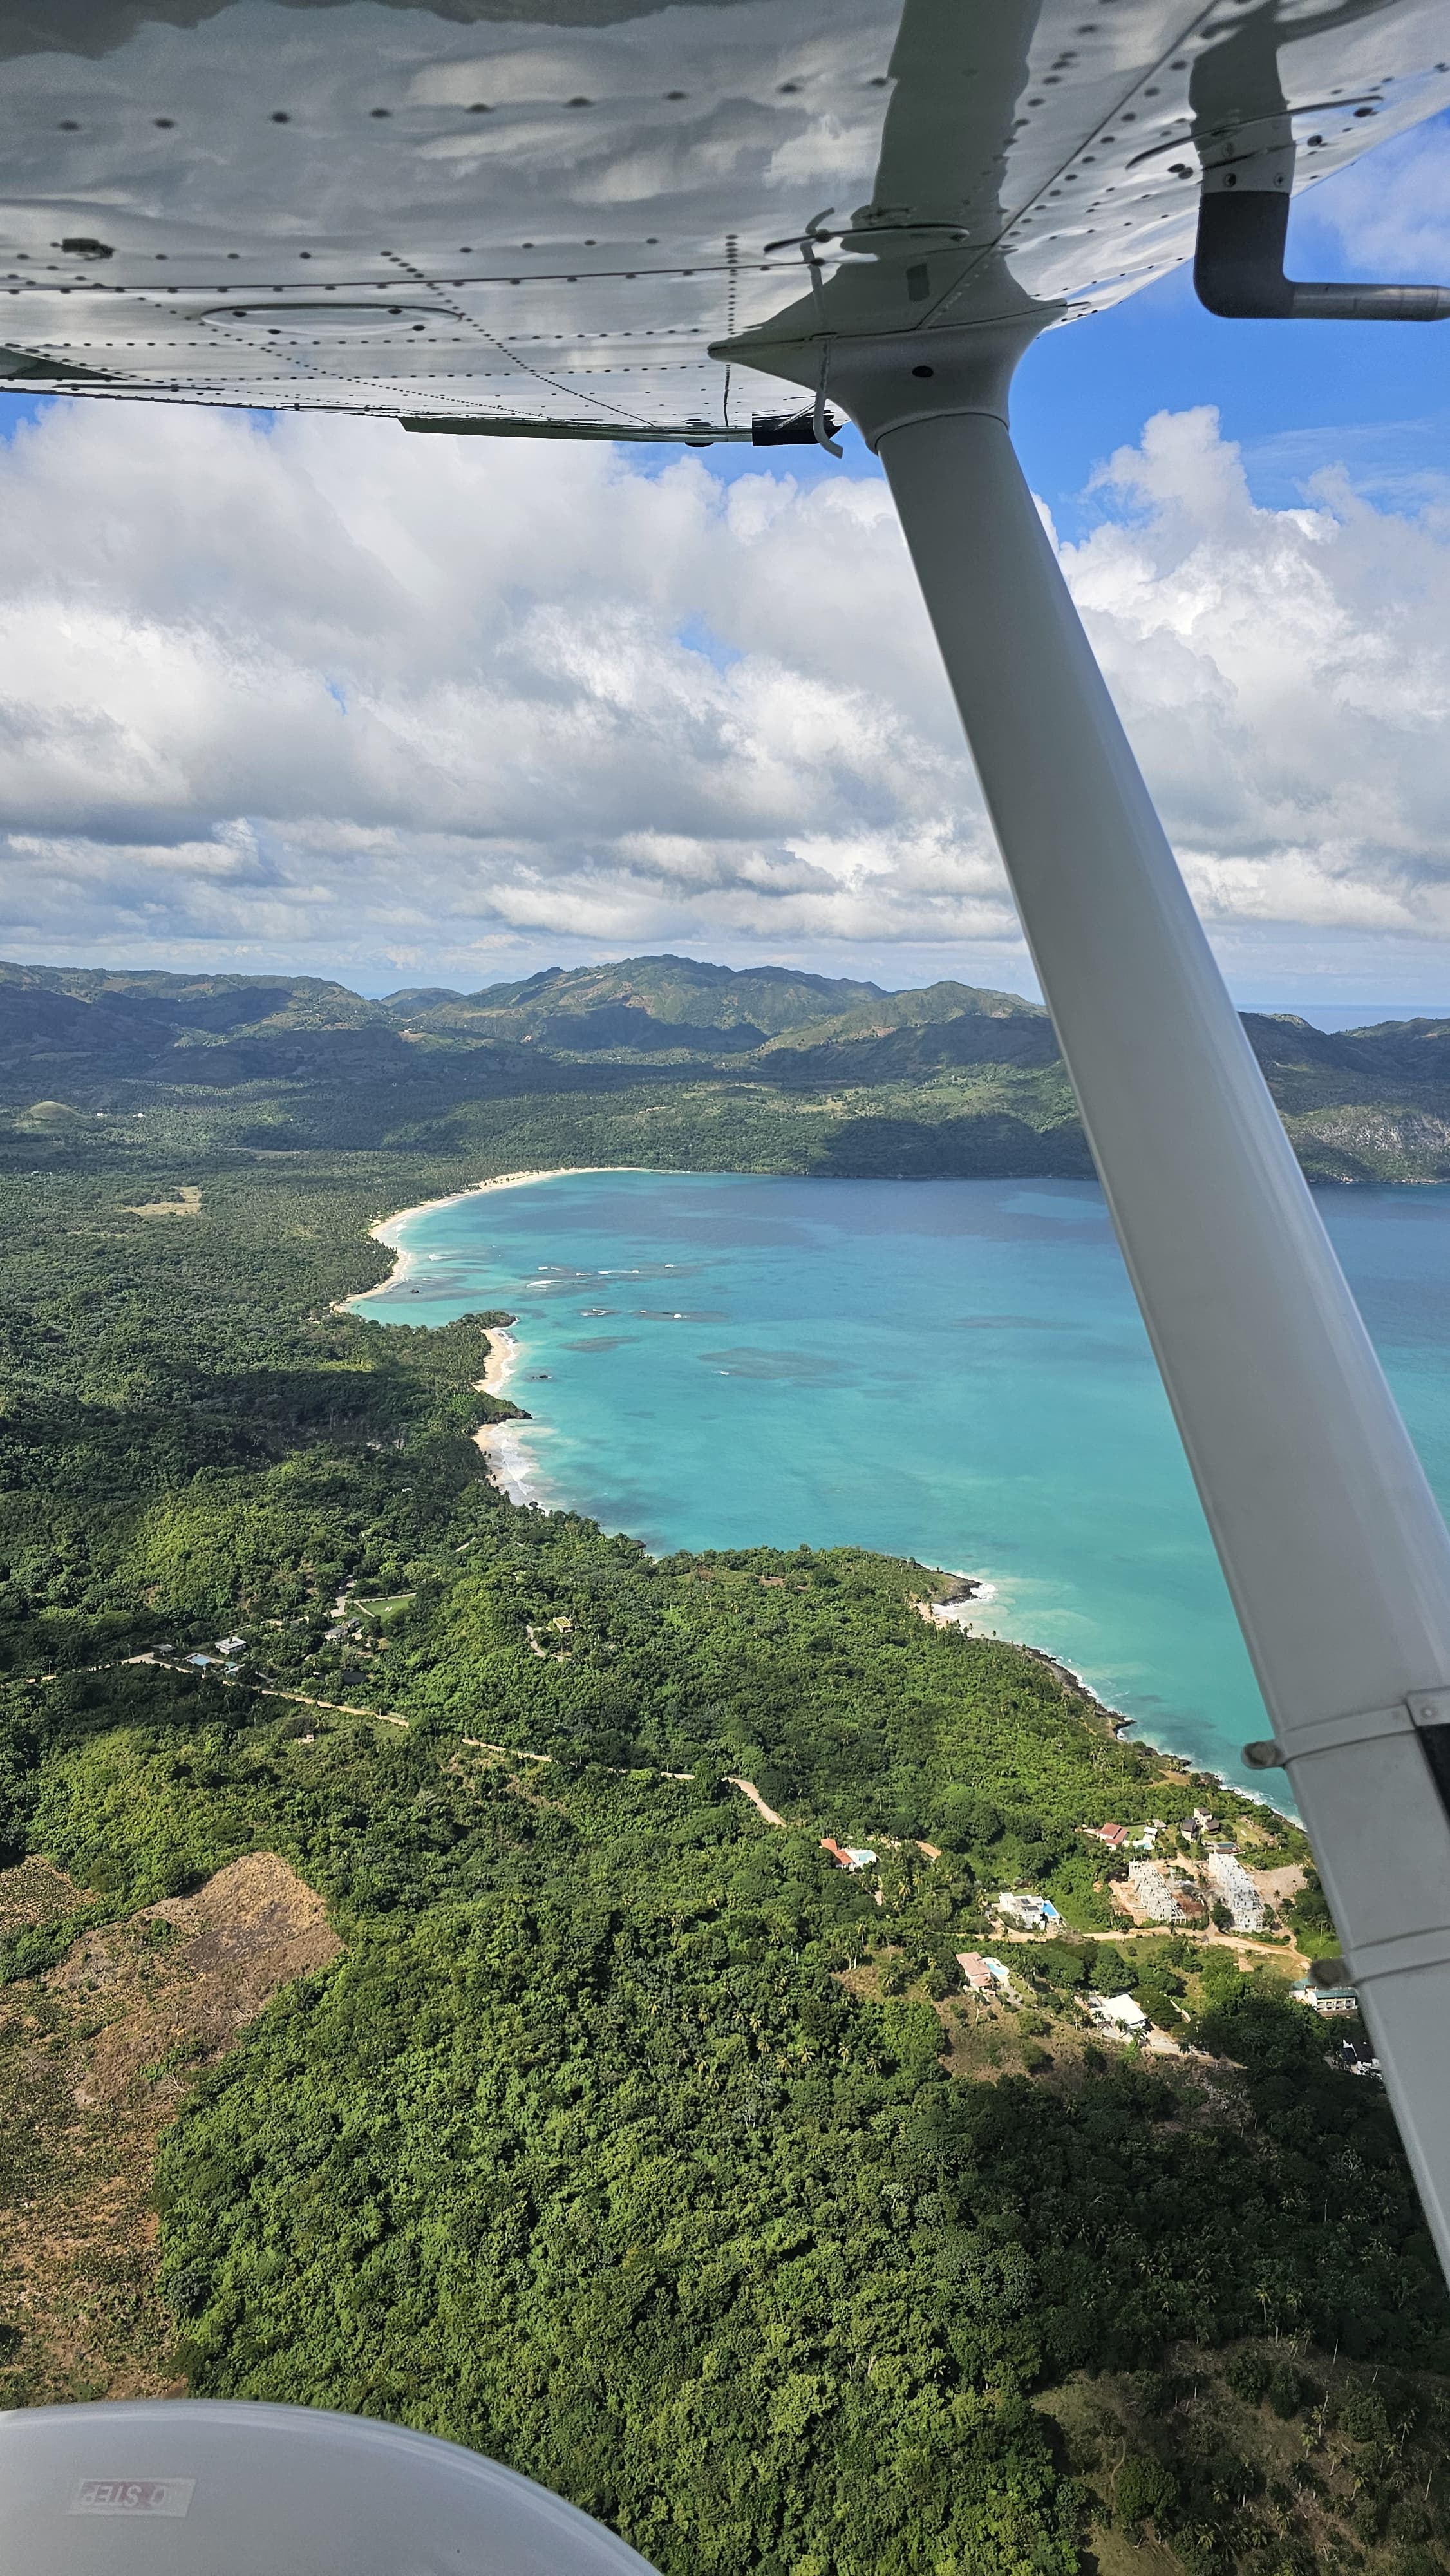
{"x": 1285, "y": 675}
{"x": 320, "y": 694}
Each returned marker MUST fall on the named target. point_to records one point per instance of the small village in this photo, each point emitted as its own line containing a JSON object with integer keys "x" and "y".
{"x": 1203, "y": 1894}
{"x": 1188, "y": 1879}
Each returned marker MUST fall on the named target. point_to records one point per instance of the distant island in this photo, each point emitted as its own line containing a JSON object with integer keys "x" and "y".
{"x": 656, "y": 1060}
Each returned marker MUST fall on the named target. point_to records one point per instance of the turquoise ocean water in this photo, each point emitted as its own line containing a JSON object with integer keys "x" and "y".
{"x": 950, "y": 1370}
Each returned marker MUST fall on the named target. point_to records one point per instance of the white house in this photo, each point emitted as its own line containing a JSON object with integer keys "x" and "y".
{"x": 1032, "y": 1912}
{"x": 1119, "y": 2012}
{"x": 1325, "y": 1999}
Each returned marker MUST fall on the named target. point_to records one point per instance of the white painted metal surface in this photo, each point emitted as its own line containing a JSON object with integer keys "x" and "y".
{"x": 1334, "y": 1549}
{"x": 546, "y": 211}
{"x": 178, "y": 2488}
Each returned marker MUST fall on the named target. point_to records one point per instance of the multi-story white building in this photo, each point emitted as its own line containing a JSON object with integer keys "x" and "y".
{"x": 1154, "y": 1890}
{"x": 1232, "y": 1883}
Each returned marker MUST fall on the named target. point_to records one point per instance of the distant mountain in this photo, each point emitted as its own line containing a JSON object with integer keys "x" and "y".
{"x": 747, "y": 1067}
{"x": 657, "y": 1006}
{"x": 1309, "y": 1065}
{"x": 97, "y": 1023}
{"x": 643, "y": 1005}
{"x": 80, "y": 1027}
{"x": 205, "y": 1002}
{"x": 911, "y": 1036}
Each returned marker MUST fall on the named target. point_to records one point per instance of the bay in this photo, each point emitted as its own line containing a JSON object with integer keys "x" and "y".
{"x": 948, "y": 1370}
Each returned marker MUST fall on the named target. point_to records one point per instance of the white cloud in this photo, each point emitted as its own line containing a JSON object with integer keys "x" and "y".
{"x": 1286, "y": 678}
{"x": 324, "y": 695}
{"x": 1389, "y": 213}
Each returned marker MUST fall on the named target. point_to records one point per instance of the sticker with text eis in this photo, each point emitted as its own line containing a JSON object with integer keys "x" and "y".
{"x": 132, "y": 2495}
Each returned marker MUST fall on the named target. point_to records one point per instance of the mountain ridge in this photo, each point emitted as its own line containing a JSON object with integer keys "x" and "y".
{"x": 762, "y": 1068}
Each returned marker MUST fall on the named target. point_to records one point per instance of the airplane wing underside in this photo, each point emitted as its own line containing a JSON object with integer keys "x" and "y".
{"x": 543, "y": 220}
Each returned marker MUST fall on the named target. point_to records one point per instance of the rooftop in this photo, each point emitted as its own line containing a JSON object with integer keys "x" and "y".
{"x": 1120, "y": 2009}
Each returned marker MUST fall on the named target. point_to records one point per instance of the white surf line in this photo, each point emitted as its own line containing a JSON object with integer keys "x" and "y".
{"x": 504, "y": 1355}
{"x": 404, "y": 1262}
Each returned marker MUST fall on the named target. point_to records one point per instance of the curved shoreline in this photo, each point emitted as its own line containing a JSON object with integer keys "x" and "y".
{"x": 505, "y": 1447}
{"x": 402, "y": 1259}
{"x": 501, "y": 1443}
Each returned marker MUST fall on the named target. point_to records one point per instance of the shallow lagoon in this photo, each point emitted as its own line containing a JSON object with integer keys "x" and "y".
{"x": 950, "y": 1370}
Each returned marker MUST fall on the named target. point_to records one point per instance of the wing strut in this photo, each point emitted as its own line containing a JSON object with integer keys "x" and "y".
{"x": 1335, "y": 1553}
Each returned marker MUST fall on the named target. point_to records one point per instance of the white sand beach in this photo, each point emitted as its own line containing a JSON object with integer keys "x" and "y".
{"x": 503, "y": 1358}
{"x": 404, "y": 1263}
{"x": 507, "y": 1445}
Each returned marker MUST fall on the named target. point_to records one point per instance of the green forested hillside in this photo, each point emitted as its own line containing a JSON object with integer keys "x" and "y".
{"x": 629, "y": 2138}
{"x": 655, "y": 1060}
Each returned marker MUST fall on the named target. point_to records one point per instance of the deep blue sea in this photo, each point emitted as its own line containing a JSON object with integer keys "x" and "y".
{"x": 949, "y": 1370}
